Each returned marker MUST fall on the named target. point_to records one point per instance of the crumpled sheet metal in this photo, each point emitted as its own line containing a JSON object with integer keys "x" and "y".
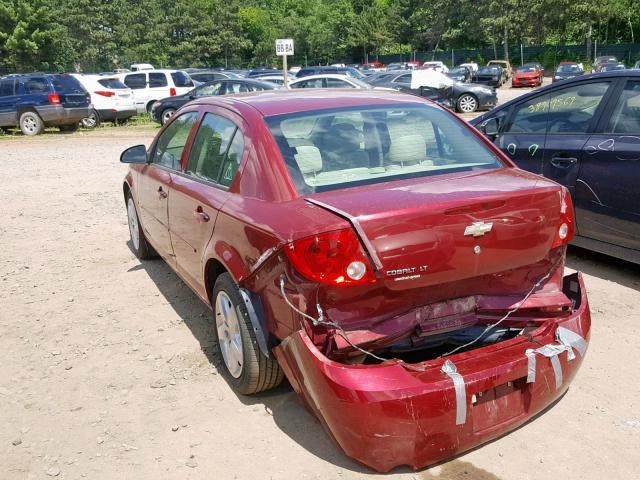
{"x": 568, "y": 341}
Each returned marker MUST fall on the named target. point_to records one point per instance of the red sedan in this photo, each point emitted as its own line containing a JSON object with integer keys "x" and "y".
{"x": 528, "y": 75}
{"x": 402, "y": 273}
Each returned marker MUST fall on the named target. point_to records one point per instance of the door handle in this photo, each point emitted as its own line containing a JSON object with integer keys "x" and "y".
{"x": 201, "y": 215}
{"x": 161, "y": 193}
{"x": 562, "y": 161}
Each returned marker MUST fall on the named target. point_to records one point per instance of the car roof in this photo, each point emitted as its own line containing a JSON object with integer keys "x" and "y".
{"x": 321, "y": 75}
{"x": 281, "y": 102}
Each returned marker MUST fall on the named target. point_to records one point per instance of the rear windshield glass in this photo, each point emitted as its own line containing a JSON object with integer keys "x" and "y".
{"x": 568, "y": 68}
{"x": 181, "y": 79}
{"x": 338, "y": 148}
{"x": 111, "y": 83}
{"x": 526, "y": 69}
{"x": 66, "y": 83}
{"x": 488, "y": 70}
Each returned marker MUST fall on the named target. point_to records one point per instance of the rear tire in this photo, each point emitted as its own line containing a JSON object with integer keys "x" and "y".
{"x": 244, "y": 366}
{"x": 31, "y": 123}
{"x": 139, "y": 244}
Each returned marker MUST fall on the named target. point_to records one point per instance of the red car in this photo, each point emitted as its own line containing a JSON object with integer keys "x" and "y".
{"x": 402, "y": 273}
{"x": 376, "y": 65}
{"x": 528, "y": 75}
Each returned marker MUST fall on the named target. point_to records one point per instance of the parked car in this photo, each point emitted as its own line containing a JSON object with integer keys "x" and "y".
{"x": 261, "y": 72}
{"x": 138, "y": 67}
{"x": 38, "y": 100}
{"x": 412, "y": 64}
{"x": 490, "y": 75}
{"x": 460, "y": 74}
{"x": 277, "y": 80}
{"x": 506, "y": 68}
{"x": 599, "y": 61}
{"x": 528, "y": 75}
{"x": 585, "y": 134}
{"x": 329, "y": 81}
{"x": 320, "y": 70}
{"x": 398, "y": 269}
{"x": 373, "y": 65}
{"x": 151, "y": 85}
{"x": 111, "y": 100}
{"x": 437, "y": 66}
{"x": 611, "y": 67}
{"x": 206, "y": 76}
{"x": 162, "y": 110}
{"x": 397, "y": 66}
{"x": 566, "y": 71}
{"x": 636, "y": 66}
{"x": 472, "y": 65}
{"x": 462, "y": 97}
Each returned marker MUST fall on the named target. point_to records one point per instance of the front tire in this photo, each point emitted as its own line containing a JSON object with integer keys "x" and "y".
{"x": 467, "y": 103}
{"x": 167, "y": 113}
{"x": 92, "y": 121}
{"x": 139, "y": 244}
{"x": 244, "y": 366}
{"x": 31, "y": 124}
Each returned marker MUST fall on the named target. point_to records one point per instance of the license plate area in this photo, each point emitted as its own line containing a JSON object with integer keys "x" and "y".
{"x": 499, "y": 404}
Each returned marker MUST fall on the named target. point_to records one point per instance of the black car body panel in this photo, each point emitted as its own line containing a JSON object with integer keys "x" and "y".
{"x": 584, "y": 133}
{"x": 218, "y": 87}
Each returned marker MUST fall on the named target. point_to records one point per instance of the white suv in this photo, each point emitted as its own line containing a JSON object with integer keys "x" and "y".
{"x": 110, "y": 98}
{"x": 151, "y": 85}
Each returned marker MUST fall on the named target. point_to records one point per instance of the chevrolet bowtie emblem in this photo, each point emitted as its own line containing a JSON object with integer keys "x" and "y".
{"x": 478, "y": 229}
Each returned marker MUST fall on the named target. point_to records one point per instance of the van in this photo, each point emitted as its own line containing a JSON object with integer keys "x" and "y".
{"x": 151, "y": 85}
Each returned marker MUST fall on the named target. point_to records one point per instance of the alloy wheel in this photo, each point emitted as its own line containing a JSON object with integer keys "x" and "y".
{"x": 229, "y": 337}
{"x": 467, "y": 104}
{"x": 134, "y": 225}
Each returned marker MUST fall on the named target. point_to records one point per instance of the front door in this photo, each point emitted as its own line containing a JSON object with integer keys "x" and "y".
{"x": 607, "y": 199}
{"x": 137, "y": 82}
{"x": 8, "y": 115}
{"x": 155, "y": 182}
{"x": 200, "y": 192}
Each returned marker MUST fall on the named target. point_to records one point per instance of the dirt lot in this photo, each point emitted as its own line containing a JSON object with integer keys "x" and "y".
{"x": 108, "y": 367}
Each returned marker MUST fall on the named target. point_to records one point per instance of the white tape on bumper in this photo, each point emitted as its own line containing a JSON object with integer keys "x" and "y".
{"x": 450, "y": 370}
{"x": 568, "y": 341}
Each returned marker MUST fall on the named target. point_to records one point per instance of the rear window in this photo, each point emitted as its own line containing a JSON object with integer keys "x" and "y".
{"x": 113, "y": 83}
{"x": 136, "y": 81}
{"x": 338, "y": 148}
{"x": 6, "y": 88}
{"x": 181, "y": 79}
{"x": 36, "y": 85}
{"x": 157, "y": 79}
{"x": 66, "y": 83}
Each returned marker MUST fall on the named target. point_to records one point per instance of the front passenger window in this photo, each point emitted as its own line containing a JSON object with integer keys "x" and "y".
{"x": 626, "y": 116}
{"x": 171, "y": 143}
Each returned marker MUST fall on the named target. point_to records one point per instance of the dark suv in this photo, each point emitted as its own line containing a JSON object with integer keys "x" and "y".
{"x": 33, "y": 101}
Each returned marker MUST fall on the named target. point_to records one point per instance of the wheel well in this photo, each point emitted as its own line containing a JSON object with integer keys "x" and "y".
{"x": 211, "y": 272}
{"x": 125, "y": 190}
{"x": 24, "y": 109}
{"x": 148, "y": 106}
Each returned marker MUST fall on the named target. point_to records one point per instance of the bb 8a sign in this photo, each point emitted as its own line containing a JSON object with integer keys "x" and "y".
{"x": 284, "y": 46}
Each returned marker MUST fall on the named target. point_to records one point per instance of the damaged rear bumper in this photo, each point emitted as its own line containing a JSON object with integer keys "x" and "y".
{"x": 399, "y": 414}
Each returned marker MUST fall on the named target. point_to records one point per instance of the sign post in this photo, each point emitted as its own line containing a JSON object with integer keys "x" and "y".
{"x": 284, "y": 47}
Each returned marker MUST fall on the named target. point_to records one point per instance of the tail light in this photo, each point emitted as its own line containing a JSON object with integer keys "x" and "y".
{"x": 172, "y": 92}
{"x": 54, "y": 98}
{"x": 105, "y": 93}
{"x": 332, "y": 258}
{"x": 566, "y": 226}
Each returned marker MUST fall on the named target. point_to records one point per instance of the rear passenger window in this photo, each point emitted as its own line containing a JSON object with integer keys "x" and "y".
{"x": 210, "y": 148}
{"x": 236, "y": 87}
{"x": 136, "y": 81}
{"x": 232, "y": 161}
{"x": 6, "y": 88}
{"x": 36, "y": 85}
{"x": 626, "y": 116}
{"x": 157, "y": 79}
{"x": 172, "y": 141}
{"x": 336, "y": 83}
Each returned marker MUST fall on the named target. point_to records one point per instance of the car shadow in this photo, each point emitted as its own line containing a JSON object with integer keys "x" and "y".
{"x": 604, "y": 267}
{"x": 281, "y": 403}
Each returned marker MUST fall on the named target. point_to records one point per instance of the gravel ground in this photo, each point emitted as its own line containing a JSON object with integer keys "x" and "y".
{"x": 109, "y": 372}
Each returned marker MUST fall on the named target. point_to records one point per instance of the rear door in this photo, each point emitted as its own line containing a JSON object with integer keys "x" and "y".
{"x": 158, "y": 86}
{"x": 200, "y": 192}
{"x": 607, "y": 200}
{"x": 8, "y": 102}
{"x": 137, "y": 82}
{"x": 155, "y": 180}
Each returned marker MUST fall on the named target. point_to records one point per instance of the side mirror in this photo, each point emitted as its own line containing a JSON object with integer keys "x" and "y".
{"x": 490, "y": 127}
{"x": 192, "y": 96}
{"x": 137, "y": 154}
